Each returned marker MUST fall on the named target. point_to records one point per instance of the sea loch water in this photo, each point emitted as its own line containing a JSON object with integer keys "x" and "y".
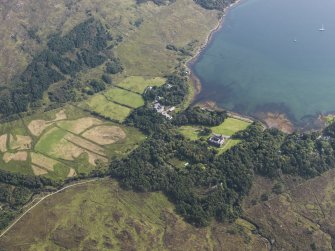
{"x": 270, "y": 56}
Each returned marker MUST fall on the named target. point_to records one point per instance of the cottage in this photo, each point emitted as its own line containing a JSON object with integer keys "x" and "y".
{"x": 217, "y": 140}
{"x": 162, "y": 110}
{"x": 158, "y": 107}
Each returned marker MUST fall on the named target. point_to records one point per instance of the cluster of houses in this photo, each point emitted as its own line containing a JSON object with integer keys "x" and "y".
{"x": 163, "y": 110}
{"x": 216, "y": 139}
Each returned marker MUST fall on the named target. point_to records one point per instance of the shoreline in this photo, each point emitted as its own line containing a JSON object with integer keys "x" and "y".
{"x": 270, "y": 119}
{"x": 195, "y": 80}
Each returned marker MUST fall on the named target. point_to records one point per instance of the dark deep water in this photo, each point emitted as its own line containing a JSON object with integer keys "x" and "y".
{"x": 270, "y": 56}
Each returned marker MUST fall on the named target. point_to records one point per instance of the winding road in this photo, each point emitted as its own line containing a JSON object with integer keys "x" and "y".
{"x": 43, "y": 198}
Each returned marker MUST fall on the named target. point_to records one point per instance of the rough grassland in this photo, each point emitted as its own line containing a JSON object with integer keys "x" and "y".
{"x": 36, "y": 127}
{"x": 47, "y": 142}
{"x": 79, "y": 125}
{"x": 43, "y": 161}
{"x": 19, "y": 142}
{"x": 105, "y": 135}
{"x": 3, "y": 143}
{"x": 139, "y": 84}
{"x": 101, "y": 216}
{"x": 18, "y": 156}
{"x": 102, "y": 106}
{"x": 144, "y": 51}
{"x": 301, "y": 217}
{"x": 124, "y": 97}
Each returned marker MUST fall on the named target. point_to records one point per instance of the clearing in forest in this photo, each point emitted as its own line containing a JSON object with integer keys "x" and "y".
{"x": 105, "y": 135}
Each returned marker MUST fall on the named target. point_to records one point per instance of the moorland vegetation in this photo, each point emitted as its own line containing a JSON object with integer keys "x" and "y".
{"x": 202, "y": 182}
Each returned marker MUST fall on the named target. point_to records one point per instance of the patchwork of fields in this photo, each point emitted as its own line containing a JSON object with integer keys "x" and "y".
{"x": 64, "y": 143}
{"x": 117, "y": 102}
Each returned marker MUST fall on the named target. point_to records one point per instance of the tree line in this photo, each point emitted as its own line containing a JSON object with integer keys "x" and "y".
{"x": 84, "y": 47}
{"x": 214, "y": 4}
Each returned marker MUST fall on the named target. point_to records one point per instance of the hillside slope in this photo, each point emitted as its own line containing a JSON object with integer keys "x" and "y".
{"x": 101, "y": 216}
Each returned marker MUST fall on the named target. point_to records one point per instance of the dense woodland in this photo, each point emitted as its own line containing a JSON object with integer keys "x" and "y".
{"x": 200, "y": 116}
{"x": 214, "y": 185}
{"x": 83, "y": 47}
{"x": 214, "y": 4}
{"x": 16, "y": 190}
{"x": 207, "y": 4}
{"x": 171, "y": 93}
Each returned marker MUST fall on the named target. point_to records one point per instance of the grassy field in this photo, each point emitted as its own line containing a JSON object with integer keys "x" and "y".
{"x": 139, "y": 84}
{"x": 124, "y": 97}
{"x": 101, "y": 216}
{"x": 228, "y": 128}
{"x": 48, "y": 141}
{"x": 190, "y": 132}
{"x": 54, "y": 144}
{"x": 102, "y": 106}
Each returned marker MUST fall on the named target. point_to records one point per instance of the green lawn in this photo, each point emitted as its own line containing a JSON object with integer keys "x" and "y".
{"x": 125, "y": 97}
{"x": 229, "y": 144}
{"x": 190, "y": 132}
{"x": 102, "y": 106}
{"x": 230, "y": 126}
{"x": 139, "y": 83}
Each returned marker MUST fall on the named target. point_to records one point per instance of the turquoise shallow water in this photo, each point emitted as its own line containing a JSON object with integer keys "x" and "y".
{"x": 270, "y": 56}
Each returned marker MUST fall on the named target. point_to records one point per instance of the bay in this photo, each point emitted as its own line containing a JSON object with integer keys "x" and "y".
{"x": 270, "y": 56}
